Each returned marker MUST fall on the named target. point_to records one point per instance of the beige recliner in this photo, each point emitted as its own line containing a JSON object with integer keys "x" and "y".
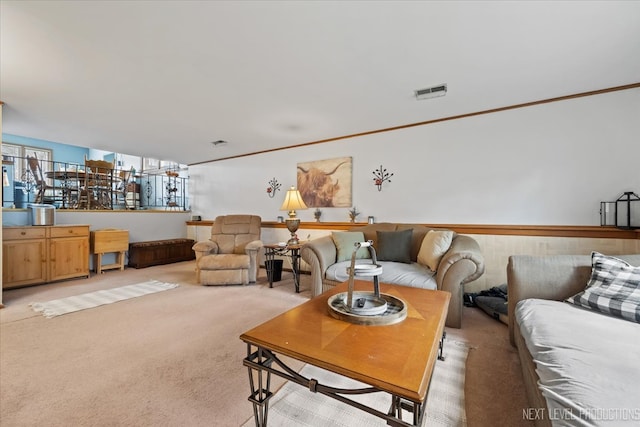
{"x": 230, "y": 256}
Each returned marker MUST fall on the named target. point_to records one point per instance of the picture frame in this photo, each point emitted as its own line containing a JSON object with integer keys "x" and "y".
{"x": 326, "y": 183}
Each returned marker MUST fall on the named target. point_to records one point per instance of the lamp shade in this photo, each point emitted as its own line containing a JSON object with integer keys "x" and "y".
{"x": 292, "y": 201}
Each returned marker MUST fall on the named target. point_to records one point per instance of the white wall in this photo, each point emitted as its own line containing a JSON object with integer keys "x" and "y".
{"x": 142, "y": 225}
{"x": 547, "y": 164}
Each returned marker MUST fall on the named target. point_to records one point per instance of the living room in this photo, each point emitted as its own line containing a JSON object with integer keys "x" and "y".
{"x": 519, "y": 153}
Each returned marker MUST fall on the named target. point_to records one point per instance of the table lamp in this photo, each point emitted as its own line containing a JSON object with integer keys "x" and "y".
{"x": 292, "y": 201}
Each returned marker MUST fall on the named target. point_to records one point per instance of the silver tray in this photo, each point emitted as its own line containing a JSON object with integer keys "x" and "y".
{"x": 395, "y": 309}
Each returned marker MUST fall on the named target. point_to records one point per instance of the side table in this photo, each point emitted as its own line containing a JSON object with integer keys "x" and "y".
{"x": 109, "y": 240}
{"x": 292, "y": 251}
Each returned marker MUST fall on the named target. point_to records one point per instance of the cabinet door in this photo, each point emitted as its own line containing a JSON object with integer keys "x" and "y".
{"x": 68, "y": 257}
{"x": 24, "y": 262}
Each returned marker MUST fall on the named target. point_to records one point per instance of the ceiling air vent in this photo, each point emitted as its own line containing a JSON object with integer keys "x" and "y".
{"x": 431, "y": 92}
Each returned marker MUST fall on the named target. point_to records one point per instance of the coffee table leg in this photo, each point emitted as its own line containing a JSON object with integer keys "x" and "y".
{"x": 441, "y": 346}
{"x": 398, "y": 404}
{"x": 260, "y": 384}
{"x": 417, "y": 409}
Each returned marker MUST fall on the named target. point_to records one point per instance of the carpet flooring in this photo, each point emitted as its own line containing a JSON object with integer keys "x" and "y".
{"x": 175, "y": 358}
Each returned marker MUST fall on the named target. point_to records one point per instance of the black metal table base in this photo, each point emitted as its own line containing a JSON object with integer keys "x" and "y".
{"x": 270, "y": 255}
{"x": 261, "y": 363}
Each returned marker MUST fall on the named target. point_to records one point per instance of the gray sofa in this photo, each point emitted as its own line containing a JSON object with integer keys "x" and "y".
{"x": 579, "y": 366}
{"x": 461, "y": 264}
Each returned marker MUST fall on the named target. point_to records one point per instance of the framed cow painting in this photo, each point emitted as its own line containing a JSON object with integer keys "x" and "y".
{"x": 325, "y": 183}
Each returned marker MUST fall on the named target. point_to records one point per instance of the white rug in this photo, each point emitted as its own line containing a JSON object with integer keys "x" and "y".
{"x": 94, "y": 299}
{"x": 295, "y": 406}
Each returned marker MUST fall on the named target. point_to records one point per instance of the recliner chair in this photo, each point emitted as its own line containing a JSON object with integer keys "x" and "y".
{"x": 230, "y": 256}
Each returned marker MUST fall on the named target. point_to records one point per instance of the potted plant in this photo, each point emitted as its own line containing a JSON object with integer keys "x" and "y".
{"x": 353, "y": 214}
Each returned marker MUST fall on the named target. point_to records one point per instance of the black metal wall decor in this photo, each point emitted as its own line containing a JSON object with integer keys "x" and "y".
{"x": 274, "y": 186}
{"x": 380, "y": 176}
{"x": 623, "y": 213}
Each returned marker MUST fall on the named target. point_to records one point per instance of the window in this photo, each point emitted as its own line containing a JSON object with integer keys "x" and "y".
{"x": 149, "y": 164}
{"x": 19, "y": 153}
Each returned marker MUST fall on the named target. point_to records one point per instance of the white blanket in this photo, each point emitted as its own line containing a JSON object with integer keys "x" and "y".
{"x": 588, "y": 363}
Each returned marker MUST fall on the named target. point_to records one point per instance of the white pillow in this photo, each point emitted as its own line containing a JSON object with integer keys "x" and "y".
{"x": 434, "y": 245}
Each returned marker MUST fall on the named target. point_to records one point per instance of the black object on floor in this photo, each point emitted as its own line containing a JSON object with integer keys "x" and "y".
{"x": 492, "y": 301}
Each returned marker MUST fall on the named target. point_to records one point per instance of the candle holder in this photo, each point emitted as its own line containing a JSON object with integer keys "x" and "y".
{"x": 366, "y": 307}
{"x": 623, "y": 213}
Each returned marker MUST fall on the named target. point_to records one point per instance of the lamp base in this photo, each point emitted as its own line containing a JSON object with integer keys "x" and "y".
{"x": 292, "y": 226}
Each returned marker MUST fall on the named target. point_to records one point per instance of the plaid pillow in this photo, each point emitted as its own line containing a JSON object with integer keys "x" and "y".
{"x": 614, "y": 288}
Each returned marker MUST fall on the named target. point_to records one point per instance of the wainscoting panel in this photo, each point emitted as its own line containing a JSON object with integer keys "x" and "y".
{"x": 497, "y": 249}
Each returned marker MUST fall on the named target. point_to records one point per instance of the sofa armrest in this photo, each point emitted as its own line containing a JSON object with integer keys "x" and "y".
{"x": 553, "y": 277}
{"x": 205, "y": 247}
{"x": 319, "y": 253}
{"x": 252, "y": 249}
{"x": 462, "y": 264}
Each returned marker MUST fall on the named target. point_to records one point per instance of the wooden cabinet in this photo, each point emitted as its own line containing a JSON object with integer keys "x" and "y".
{"x": 24, "y": 256}
{"x": 39, "y": 254}
{"x": 68, "y": 252}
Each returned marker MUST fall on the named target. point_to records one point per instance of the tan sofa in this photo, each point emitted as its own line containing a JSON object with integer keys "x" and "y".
{"x": 606, "y": 345}
{"x": 461, "y": 264}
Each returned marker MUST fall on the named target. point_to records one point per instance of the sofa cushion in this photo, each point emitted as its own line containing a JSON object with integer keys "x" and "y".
{"x": 413, "y": 275}
{"x": 344, "y": 241}
{"x": 434, "y": 246}
{"x": 417, "y": 236}
{"x": 394, "y": 245}
{"x": 223, "y": 262}
{"x": 614, "y": 288}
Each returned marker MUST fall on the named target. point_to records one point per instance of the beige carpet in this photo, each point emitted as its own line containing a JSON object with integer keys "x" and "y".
{"x": 174, "y": 358}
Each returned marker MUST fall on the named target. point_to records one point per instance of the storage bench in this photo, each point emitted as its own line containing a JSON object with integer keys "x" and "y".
{"x": 157, "y": 252}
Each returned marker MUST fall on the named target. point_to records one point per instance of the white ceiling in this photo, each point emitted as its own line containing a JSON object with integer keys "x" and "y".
{"x": 165, "y": 78}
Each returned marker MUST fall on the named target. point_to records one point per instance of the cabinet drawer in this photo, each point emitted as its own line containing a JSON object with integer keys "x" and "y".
{"x": 23, "y": 233}
{"x": 73, "y": 231}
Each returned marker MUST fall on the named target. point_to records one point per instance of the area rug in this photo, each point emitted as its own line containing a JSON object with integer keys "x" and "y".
{"x": 295, "y": 406}
{"x": 75, "y": 303}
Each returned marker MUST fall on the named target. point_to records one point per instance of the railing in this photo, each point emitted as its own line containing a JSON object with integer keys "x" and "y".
{"x": 73, "y": 186}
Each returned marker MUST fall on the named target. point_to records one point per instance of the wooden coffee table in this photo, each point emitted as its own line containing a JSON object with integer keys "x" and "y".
{"x": 397, "y": 359}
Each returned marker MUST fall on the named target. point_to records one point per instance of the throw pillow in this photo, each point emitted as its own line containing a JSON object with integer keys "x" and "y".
{"x": 344, "y": 241}
{"x": 614, "y": 288}
{"x": 394, "y": 245}
{"x": 434, "y": 245}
